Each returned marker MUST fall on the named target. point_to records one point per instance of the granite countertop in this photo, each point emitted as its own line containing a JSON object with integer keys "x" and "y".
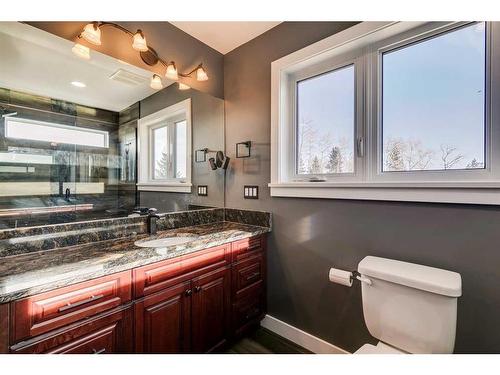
{"x": 28, "y": 274}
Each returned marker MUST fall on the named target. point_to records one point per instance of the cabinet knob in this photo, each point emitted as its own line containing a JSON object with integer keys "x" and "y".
{"x": 197, "y": 288}
{"x": 188, "y": 292}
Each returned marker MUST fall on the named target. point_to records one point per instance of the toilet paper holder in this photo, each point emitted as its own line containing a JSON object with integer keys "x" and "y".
{"x": 358, "y": 276}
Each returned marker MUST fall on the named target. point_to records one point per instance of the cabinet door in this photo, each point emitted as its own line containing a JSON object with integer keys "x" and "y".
{"x": 210, "y": 310}
{"x": 107, "y": 333}
{"x": 163, "y": 321}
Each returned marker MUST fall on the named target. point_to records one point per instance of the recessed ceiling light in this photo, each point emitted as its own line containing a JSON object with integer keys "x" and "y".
{"x": 78, "y": 84}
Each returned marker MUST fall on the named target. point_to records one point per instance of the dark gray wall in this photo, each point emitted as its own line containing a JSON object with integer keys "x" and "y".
{"x": 311, "y": 235}
{"x": 207, "y": 114}
{"x": 169, "y": 42}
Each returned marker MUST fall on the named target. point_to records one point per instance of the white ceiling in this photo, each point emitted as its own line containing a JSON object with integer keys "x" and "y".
{"x": 41, "y": 63}
{"x": 225, "y": 36}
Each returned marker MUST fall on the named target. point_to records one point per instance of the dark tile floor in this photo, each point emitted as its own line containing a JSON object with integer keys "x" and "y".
{"x": 263, "y": 341}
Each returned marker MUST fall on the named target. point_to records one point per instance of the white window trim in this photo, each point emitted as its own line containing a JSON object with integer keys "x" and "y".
{"x": 365, "y": 35}
{"x": 145, "y": 147}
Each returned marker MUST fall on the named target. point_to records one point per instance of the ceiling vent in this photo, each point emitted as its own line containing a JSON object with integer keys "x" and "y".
{"x": 129, "y": 78}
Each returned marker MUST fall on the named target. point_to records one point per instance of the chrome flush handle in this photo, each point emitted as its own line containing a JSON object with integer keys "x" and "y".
{"x": 363, "y": 279}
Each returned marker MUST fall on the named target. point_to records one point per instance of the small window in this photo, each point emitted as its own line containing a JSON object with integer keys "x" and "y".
{"x": 325, "y": 123}
{"x": 164, "y": 139}
{"x": 433, "y": 103}
{"x": 55, "y": 133}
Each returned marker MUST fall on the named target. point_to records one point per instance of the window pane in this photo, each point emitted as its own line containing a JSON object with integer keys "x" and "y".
{"x": 161, "y": 161}
{"x": 180, "y": 149}
{"x": 55, "y": 133}
{"x": 325, "y": 123}
{"x": 434, "y": 103}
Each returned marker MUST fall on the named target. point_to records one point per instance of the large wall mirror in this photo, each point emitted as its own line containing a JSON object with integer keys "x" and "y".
{"x": 69, "y": 131}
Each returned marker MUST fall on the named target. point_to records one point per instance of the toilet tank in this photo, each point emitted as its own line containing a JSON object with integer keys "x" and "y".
{"x": 410, "y": 306}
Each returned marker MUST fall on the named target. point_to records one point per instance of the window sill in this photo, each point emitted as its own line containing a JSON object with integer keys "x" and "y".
{"x": 464, "y": 193}
{"x": 171, "y": 187}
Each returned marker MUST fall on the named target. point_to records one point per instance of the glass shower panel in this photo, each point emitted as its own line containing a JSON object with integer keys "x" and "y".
{"x": 37, "y": 175}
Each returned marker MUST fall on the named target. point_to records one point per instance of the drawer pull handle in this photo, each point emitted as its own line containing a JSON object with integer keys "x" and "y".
{"x": 254, "y": 246}
{"x": 197, "y": 288}
{"x": 188, "y": 292}
{"x": 79, "y": 303}
{"x": 252, "y": 276}
{"x": 101, "y": 351}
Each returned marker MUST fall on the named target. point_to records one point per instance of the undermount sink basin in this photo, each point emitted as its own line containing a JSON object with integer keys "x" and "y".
{"x": 163, "y": 242}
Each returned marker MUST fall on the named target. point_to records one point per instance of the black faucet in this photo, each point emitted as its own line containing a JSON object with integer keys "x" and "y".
{"x": 151, "y": 220}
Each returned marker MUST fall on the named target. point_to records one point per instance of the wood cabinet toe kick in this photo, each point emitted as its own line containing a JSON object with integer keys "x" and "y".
{"x": 189, "y": 304}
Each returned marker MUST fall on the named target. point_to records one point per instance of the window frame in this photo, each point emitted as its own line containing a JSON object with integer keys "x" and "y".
{"x": 167, "y": 117}
{"x": 364, "y": 42}
{"x": 317, "y": 71}
{"x": 435, "y": 177}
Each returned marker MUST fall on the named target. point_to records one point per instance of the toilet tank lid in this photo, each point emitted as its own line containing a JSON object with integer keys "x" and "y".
{"x": 416, "y": 276}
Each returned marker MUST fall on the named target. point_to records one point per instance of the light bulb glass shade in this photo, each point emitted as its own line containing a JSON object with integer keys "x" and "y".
{"x": 183, "y": 86}
{"x": 81, "y": 51}
{"x": 92, "y": 34}
{"x": 156, "y": 82}
{"x": 201, "y": 74}
{"x": 139, "y": 43}
{"x": 171, "y": 72}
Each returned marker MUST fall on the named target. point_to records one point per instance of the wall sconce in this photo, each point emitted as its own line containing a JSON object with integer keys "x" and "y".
{"x": 92, "y": 34}
{"x": 243, "y": 149}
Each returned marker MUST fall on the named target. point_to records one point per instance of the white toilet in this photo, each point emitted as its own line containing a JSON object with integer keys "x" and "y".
{"x": 410, "y": 308}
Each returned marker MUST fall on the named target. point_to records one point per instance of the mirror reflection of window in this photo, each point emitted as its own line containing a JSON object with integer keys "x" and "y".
{"x": 180, "y": 149}
{"x": 169, "y": 155}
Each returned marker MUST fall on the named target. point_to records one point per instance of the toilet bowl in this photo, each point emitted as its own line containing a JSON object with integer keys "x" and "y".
{"x": 409, "y": 307}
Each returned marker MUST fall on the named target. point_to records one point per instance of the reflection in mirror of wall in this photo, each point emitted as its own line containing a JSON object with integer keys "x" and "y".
{"x": 206, "y": 114}
{"x": 68, "y": 127}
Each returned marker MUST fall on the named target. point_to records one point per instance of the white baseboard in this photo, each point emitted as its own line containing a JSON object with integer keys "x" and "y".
{"x": 299, "y": 337}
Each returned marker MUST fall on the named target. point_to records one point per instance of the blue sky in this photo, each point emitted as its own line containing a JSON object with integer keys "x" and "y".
{"x": 433, "y": 91}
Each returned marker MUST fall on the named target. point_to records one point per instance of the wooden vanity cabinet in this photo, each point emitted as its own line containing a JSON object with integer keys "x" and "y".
{"x": 110, "y": 332}
{"x": 189, "y": 304}
{"x": 4, "y": 328}
{"x": 162, "y": 321}
{"x": 211, "y": 310}
{"x": 248, "y": 285}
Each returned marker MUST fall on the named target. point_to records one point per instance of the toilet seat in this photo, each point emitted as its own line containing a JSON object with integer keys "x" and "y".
{"x": 380, "y": 348}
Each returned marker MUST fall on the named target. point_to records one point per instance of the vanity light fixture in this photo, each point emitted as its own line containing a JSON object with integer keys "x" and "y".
{"x": 139, "y": 43}
{"x": 92, "y": 34}
{"x": 201, "y": 74}
{"x": 171, "y": 72}
{"x": 156, "y": 82}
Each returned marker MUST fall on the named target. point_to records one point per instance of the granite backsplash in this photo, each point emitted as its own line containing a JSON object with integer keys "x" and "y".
{"x": 25, "y": 240}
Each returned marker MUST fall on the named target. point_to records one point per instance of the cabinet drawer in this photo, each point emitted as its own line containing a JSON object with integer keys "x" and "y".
{"x": 248, "y": 272}
{"x": 47, "y": 311}
{"x": 157, "y": 276}
{"x": 247, "y": 247}
{"x": 109, "y": 332}
{"x": 248, "y": 310}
